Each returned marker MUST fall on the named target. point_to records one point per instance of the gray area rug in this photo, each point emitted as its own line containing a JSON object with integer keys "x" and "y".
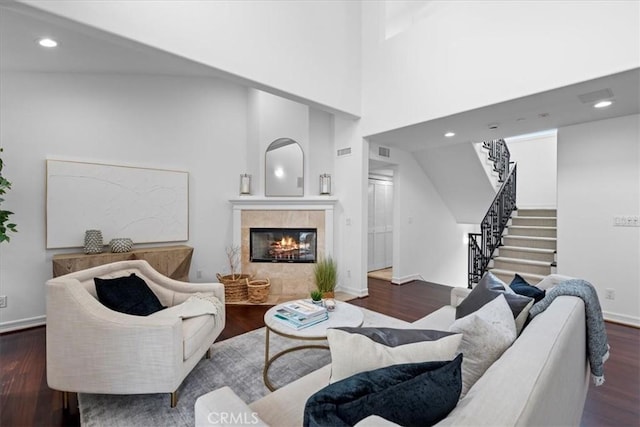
{"x": 236, "y": 362}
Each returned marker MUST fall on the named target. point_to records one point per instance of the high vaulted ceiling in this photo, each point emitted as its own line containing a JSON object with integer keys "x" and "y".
{"x": 85, "y": 49}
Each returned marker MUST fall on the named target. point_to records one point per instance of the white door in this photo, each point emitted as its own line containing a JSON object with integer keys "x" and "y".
{"x": 380, "y": 230}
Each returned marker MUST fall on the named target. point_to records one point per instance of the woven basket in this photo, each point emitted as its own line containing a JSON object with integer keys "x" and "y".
{"x": 258, "y": 290}
{"x": 235, "y": 287}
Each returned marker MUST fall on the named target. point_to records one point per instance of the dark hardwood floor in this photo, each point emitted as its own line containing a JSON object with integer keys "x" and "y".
{"x": 25, "y": 399}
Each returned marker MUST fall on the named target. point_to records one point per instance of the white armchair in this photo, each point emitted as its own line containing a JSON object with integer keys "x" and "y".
{"x": 92, "y": 349}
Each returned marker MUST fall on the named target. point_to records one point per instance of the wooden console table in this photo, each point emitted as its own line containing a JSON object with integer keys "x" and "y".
{"x": 172, "y": 261}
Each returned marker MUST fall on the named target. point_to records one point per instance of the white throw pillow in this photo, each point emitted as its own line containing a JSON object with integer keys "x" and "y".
{"x": 355, "y": 350}
{"x": 487, "y": 333}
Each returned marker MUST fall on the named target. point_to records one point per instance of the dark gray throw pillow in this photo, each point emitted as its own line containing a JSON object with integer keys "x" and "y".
{"x": 127, "y": 294}
{"x": 411, "y": 394}
{"x": 485, "y": 291}
{"x": 521, "y": 287}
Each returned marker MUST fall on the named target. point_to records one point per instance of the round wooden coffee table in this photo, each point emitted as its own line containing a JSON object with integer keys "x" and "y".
{"x": 344, "y": 315}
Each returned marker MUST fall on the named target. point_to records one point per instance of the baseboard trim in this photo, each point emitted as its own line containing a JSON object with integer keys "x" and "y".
{"x": 360, "y": 293}
{"x": 405, "y": 279}
{"x": 16, "y": 325}
{"x": 623, "y": 319}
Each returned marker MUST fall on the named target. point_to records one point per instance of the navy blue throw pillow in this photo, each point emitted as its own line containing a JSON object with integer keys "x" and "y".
{"x": 521, "y": 287}
{"x": 410, "y": 394}
{"x": 127, "y": 294}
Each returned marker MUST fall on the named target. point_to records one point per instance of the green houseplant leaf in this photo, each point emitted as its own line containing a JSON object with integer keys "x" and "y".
{"x": 5, "y": 225}
{"x": 325, "y": 274}
{"x": 316, "y": 295}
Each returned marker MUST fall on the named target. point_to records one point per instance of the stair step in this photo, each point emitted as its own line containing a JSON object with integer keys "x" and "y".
{"x": 508, "y": 275}
{"x": 537, "y": 212}
{"x": 526, "y": 249}
{"x": 523, "y": 261}
{"x": 540, "y": 221}
{"x": 537, "y": 254}
{"x": 536, "y": 231}
{"x": 530, "y": 242}
{"x": 522, "y": 265}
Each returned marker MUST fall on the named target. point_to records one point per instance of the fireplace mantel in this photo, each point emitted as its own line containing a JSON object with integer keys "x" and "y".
{"x": 317, "y": 203}
{"x": 279, "y": 203}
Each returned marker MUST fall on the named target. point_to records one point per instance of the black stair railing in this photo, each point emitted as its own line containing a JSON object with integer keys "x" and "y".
{"x": 483, "y": 244}
{"x": 500, "y": 156}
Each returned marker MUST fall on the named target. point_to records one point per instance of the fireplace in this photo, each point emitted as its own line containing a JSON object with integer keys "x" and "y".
{"x": 292, "y": 245}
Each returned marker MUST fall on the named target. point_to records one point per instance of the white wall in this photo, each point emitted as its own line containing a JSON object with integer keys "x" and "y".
{"x": 428, "y": 243}
{"x": 598, "y": 178}
{"x": 274, "y": 117}
{"x": 321, "y": 152}
{"x": 350, "y": 187}
{"x": 537, "y": 169}
{"x": 460, "y": 179}
{"x": 285, "y": 45}
{"x": 196, "y": 125}
{"x": 463, "y": 55}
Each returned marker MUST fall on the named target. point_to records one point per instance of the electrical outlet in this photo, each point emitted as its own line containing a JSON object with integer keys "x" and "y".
{"x": 199, "y": 274}
{"x": 3, "y": 301}
{"x": 626, "y": 221}
{"x": 610, "y": 294}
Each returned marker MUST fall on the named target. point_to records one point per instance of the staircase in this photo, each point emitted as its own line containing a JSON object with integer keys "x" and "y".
{"x": 528, "y": 246}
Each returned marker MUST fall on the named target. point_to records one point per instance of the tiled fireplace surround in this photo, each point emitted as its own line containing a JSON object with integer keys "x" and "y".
{"x": 288, "y": 280}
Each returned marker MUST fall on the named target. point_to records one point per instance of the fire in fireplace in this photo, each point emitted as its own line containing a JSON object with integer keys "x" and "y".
{"x": 283, "y": 244}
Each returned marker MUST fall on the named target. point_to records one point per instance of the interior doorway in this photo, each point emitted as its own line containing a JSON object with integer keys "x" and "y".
{"x": 380, "y": 224}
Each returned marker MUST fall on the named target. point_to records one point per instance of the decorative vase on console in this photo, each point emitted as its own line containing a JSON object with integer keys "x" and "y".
{"x": 121, "y": 245}
{"x": 93, "y": 242}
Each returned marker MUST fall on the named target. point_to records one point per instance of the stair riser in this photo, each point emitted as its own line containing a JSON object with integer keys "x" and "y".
{"x": 510, "y": 253}
{"x": 522, "y": 268}
{"x": 542, "y": 244}
{"x": 537, "y": 212}
{"x": 536, "y": 222}
{"x": 508, "y": 278}
{"x": 533, "y": 232}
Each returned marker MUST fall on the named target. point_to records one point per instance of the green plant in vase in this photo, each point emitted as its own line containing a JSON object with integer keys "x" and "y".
{"x": 325, "y": 274}
{"x": 316, "y": 296}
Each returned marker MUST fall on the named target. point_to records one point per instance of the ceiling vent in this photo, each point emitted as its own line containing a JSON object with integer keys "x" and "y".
{"x": 344, "y": 151}
{"x": 595, "y": 96}
{"x": 384, "y": 152}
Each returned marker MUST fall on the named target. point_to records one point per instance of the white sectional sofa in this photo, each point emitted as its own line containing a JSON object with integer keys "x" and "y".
{"x": 541, "y": 380}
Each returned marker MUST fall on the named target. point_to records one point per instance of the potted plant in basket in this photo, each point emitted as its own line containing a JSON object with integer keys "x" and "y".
{"x": 235, "y": 284}
{"x": 325, "y": 274}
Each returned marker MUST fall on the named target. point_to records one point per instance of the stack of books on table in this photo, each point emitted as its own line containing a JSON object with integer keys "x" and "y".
{"x": 301, "y": 314}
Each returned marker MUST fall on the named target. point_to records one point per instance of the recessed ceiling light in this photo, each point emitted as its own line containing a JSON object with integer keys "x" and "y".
{"x": 449, "y": 134}
{"x": 47, "y": 42}
{"x": 602, "y": 104}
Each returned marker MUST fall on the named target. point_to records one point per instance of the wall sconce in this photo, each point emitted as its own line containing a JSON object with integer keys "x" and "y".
{"x": 245, "y": 183}
{"x": 325, "y": 184}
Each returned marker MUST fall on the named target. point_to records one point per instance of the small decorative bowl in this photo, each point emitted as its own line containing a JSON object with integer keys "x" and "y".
{"x": 121, "y": 244}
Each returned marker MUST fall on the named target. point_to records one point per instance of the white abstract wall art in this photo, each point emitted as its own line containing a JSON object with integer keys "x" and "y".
{"x": 146, "y": 205}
